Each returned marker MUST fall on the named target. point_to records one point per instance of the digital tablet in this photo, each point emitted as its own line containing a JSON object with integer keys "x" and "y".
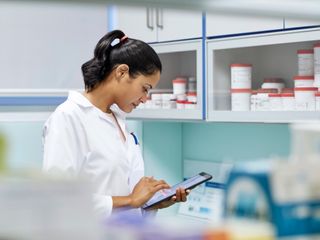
{"x": 166, "y": 194}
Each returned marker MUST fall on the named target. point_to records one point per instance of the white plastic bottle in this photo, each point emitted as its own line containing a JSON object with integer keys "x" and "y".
{"x": 240, "y": 99}
{"x": 305, "y": 62}
{"x": 241, "y": 76}
{"x": 316, "y": 50}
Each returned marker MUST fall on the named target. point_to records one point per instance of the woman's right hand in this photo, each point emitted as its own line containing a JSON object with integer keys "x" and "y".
{"x": 145, "y": 189}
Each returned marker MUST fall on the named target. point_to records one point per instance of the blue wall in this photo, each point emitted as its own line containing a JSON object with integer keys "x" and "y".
{"x": 166, "y": 144}
{"x": 234, "y": 141}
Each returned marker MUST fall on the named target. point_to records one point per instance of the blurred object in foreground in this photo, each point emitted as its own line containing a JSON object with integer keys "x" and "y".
{"x": 129, "y": 227}
{"x": 38, "y": 208}
{"x": 3, "y": 151}
{"x": 305, "y": 141}
{"x": 284, "y": 193}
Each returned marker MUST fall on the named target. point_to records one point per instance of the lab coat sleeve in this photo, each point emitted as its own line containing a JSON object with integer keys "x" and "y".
{"x": 103, "y": 204}
{"x": 63, "y": 145}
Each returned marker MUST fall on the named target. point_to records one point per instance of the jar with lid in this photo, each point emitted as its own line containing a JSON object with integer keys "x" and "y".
{"x": 275, "y": 101}
{"x": 262, "y": 100}
{"x": 190, "y": 105}
{"x": 156, "y": 100}
{"x": 181, "y": 104}
{"x": 316, "y": 49}
{"x": 241, "y": 76}
{"x": 305, "y": 98}
{"x": 273, "y": 83}
{"x": 253, "y": 100}
{"x": 288, "y": 101}
{"x": 168, "y": 101}
{"x": 303, "y": 81}
{"x": 179, "y": 85}
{"x": 192, "y": 97}
{"x": 240, "y": 99}
{"x": 305, "y": 62}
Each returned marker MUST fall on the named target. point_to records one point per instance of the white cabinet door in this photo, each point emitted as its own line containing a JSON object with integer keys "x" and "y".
{"x": 177, "y": 24}
{"x": 292, "y": 23}
{"x": 136, "y": 22}
{"x": 219, "y": 24}
{"x": 157, "y": 25}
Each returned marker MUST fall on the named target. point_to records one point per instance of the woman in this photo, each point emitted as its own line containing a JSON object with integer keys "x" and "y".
{"x": 87, "y": 135}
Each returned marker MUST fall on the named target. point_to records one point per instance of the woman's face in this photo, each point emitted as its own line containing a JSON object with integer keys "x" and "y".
{"x": 135, "y": 91}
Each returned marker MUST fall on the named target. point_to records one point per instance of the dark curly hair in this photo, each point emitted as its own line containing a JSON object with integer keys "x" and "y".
{"x": 138, "y": 55}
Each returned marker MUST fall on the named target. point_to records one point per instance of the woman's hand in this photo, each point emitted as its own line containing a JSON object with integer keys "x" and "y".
{"x": 181, "y": 196}
{"x": 145, "y": 189}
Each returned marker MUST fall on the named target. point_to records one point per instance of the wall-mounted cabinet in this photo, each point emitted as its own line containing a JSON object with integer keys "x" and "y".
{"x": 294, "y": 23}
{"x": 273, "y": 55}
{"x": 226, "y": 24}
{"x": 178, "y": 59}
{"x": 157, "y": 24}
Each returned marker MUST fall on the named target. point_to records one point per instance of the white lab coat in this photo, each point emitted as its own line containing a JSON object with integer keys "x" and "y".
{"x": 81, "y": 140}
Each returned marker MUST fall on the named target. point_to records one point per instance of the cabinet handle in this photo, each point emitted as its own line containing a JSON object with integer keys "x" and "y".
{"x": 150, "y": 18}
{"x": 159, "y": 17}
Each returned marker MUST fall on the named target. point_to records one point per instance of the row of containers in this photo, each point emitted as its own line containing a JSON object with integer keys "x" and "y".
{"x": 183, "y": 95}
{"x": 274, "y": 95}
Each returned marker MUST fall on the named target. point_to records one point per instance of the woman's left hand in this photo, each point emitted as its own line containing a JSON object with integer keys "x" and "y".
{"x": 181, "y": 196}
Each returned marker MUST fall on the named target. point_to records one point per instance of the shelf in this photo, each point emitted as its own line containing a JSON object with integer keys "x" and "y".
{"x": 266, "y": 116}
{"x": 166, "y": 114}
{"x": 178, "y": 59}
{"x": 272, "y": 55}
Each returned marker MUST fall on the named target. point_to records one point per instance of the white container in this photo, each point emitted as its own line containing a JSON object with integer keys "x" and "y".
{"x": 148, "y": 104}
{"x": 179, "y": 86}
{"x": 156, "y": 99}
{"x": 192, "y": 97}
{"x": 305, "y": 98}
{"x": 253, "y": 100}
{"x": 316, "y": 50}
{"x": 275, "y": 101}
{"x": 241, "y": 76}
{"x": 190, "y": 105}
{"x": 273, "y": 83}
{"x": 192, "y": 84}
{"x": 305, "y": 62}
{"x": 180, "y": 104}
{"x": 240, "y": 99}
{"x": 288, "y": 101}
{"x": 181, "y": 97}
{"x": 317, "y": 95}
{"x": 262, "y": 99}
{"x": 303, "y": 81}
{"x": 168, "y": 101}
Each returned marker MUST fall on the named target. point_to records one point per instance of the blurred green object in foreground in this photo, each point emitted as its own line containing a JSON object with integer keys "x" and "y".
{"x": 3, "y": 149}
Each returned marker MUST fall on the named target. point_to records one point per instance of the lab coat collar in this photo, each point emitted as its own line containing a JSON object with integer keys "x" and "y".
{"x": 79, "y": 99}
{"x": 83, "y": 102}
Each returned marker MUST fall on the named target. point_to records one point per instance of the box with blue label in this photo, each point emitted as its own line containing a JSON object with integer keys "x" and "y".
{"x": 285, "y": 193}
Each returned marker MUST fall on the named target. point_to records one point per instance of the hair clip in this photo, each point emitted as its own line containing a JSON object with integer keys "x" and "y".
{"x": 115, "y": 42}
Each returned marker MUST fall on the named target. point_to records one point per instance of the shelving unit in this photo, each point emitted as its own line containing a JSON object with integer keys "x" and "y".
{"x": 272, "y": 55}
{"x": 178, "y": 59}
